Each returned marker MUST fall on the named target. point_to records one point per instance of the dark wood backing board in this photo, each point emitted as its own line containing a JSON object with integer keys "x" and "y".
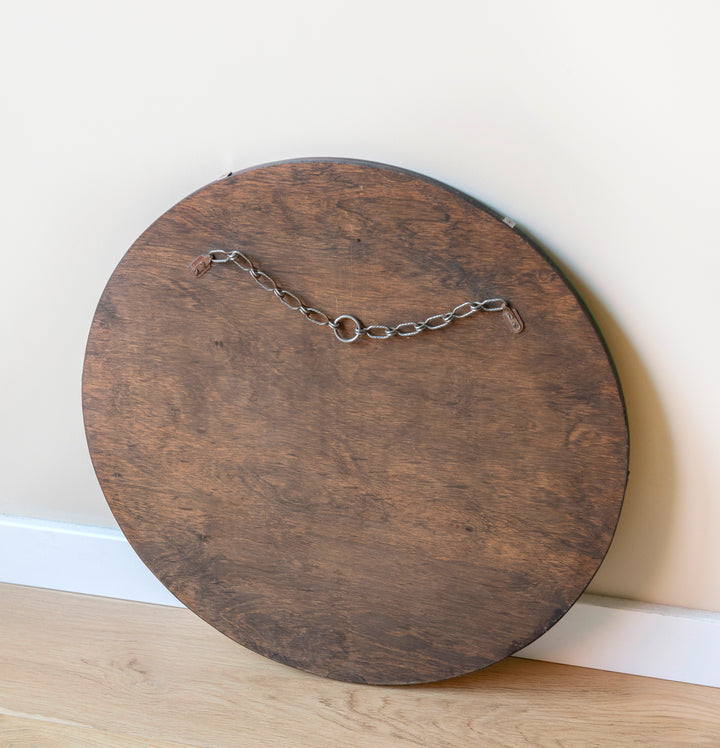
{"x": 395, "y": 511}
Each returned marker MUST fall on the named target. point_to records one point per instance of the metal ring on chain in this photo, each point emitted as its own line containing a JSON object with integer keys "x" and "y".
{"x": 202, "y": 264}
{"x": 338, "y": 328}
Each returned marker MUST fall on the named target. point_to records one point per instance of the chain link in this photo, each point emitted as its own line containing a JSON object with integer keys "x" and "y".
{"x": 339, "y": 325}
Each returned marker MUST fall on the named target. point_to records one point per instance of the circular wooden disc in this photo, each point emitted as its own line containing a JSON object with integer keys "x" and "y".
{"x": 395, "y": 511}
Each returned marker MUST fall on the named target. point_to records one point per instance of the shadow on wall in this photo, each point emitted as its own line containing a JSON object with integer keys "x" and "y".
{"x": 636, "y": 554}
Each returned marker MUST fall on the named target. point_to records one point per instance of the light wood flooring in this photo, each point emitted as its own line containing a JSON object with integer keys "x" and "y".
{"x": 82, "y": 671}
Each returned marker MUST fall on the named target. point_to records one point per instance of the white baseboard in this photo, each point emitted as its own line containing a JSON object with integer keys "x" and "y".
{"x": 604, "y": 633}
{"x": 625, "y": 636}
{"x": 75, "y": 558}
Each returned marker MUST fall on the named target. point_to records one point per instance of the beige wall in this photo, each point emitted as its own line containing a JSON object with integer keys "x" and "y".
{"x": 595, "y": 125}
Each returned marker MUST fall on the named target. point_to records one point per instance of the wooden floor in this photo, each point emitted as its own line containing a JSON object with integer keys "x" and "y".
{"x": 83, "y": 671}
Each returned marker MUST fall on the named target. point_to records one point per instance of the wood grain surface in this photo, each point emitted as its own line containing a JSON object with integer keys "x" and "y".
{"x": 396, "y": 511}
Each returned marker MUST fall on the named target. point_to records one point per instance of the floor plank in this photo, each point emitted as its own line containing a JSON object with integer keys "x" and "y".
{"x": 31, "y": 732}
{"x": 76, "y": 668}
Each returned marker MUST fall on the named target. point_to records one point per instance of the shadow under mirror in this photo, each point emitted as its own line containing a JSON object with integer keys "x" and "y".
{"x": 646, "y": 519}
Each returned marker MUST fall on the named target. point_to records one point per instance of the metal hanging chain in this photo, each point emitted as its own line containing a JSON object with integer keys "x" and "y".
{"x": 347, "y": 327}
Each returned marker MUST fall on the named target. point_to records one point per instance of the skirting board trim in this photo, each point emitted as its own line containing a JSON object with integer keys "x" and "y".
{"x": 604, "y": 633}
